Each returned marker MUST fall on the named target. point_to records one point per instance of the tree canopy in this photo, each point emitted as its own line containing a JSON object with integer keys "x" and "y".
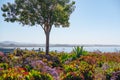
{"x": 32, "y": 12}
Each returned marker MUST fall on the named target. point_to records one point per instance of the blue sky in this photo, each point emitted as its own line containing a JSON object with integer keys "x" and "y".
{"x": 92, "y": 22}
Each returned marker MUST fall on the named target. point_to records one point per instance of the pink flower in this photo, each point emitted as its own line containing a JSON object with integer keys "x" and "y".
{"x": 1, "y": 54}
{"x": 1, "y": 69}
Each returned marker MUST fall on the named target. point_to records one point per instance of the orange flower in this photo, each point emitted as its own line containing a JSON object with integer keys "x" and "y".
{"x": 21, "y": 68}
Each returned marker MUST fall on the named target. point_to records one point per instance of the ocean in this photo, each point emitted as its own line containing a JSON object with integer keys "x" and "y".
{"x": 69, "y": 49}
{"x": 90, "y": 49}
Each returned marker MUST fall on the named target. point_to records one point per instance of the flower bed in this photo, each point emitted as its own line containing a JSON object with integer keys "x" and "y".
{"x": 29, "y": 65}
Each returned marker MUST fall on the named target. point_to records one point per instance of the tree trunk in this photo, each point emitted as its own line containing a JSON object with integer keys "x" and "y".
{"x": 47, "y": 42}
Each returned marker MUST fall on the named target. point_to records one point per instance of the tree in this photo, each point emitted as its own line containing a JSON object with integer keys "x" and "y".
{"x": 46, "y": 13}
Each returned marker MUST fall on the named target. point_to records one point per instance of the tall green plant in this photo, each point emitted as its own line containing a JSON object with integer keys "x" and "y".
{"x": 78, "y": 51}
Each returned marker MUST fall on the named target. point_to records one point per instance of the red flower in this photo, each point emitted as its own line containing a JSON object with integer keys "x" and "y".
{"x": 25, "y": 73}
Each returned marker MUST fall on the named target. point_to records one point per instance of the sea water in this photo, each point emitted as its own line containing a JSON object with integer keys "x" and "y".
{"x": 69, "y": 49}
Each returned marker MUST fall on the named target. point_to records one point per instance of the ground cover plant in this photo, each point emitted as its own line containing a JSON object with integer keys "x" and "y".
{"x": 76, "y": 65}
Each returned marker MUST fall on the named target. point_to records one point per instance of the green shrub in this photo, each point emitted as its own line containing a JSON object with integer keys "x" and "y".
{"x": 72, "y": 76}
{"x": 28, "y": 67}
{"x": 40, "y": 76}
{"x": 4, "y": 65}
{"x": 63, "y": 57}
{"x": 46, "y": 76}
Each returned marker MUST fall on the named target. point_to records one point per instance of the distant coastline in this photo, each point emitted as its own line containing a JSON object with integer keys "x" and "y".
{"x": 9, "y": 46}
{"x": 18, "y": 44}
{"x": 56, "y": 45}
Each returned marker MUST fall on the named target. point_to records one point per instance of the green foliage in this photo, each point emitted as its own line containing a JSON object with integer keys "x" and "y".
{"x": 63, "y": 57}
{"x": 100, "y": 63}
{"x": 54, "y": 59}
{"x": 17, "y": 73}
{"x": 46, "y": 76}
{"x": 79, "y": 51}
{"x": 40, "y": 76}
{"x": 4, "y": 65}
{"x": 72, "y": 76}
{"x": 32, "y": 12}
{"x": 35, "y": 74}
{"x": 70, "y": 68}
{"x": 28, "y": 67}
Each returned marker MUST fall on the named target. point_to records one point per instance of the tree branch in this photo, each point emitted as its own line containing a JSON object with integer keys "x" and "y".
{"x": 43, "y": 28}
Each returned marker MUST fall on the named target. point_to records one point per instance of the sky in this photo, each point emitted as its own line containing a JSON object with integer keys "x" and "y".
{"x": 92, "y": 22}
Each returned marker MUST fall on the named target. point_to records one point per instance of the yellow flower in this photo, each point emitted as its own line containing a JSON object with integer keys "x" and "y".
{"x": 4, "y": 76}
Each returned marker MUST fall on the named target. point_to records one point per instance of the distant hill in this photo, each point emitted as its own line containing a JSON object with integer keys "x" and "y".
{"x": 9, "y": 42}
{"x": 17, "y": 44}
